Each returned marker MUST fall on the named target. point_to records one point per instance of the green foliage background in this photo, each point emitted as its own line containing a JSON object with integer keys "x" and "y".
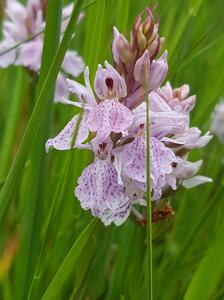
{"x": 61, "y": 252}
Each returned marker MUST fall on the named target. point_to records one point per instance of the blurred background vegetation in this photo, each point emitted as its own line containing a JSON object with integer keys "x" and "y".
{"x": 47, "y": 248}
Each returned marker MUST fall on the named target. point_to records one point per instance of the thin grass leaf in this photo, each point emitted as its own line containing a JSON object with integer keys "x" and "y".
{"x": 193, "y": 8}
{"x": 13, "y": 118}
{"x": 95, "y": 20}
{"x": 209, "y": 271}
{"x": 122, "y": 14}
{"x": 53, "y": 219}
{"x": 182, "y": 63}
{"x": 36, "y": 177}
{"x": 197, "y": 54}
{"x": 36, "y": 118}
{"x": 68, "y": 264}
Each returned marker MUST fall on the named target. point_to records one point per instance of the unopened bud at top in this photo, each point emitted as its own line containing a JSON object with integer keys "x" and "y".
{"x": 121, "y": 48}
{"x": 145, "y": 35}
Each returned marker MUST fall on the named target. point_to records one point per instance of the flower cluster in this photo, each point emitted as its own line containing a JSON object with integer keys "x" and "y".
{"x": 23, "y": 22}
{"x": 113, "y": 126}
{"x": 217, "y": 122}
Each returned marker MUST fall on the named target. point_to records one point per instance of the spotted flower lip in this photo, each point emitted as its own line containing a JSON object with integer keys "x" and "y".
{"x": 24, "y": 21}
{"x": 98, "y": 188}
{"x": 109, "y": 116}
{"x": 113, "y": 127}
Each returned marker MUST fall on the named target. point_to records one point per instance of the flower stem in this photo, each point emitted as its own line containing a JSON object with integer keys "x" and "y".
{"x": 149, "y": 210}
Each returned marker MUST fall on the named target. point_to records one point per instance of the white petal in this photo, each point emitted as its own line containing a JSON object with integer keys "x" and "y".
{"x": 30, "y": 55}
{"x": 73, "y": 64}
{"x": 8, "y": 58}
{"x": 98, "y": 190}
{"x": 195, "y": 181}
{"x": 64, "y": 139}
{"x": 109, "y": 116}
{"x": 61, "y": 88}
{"x": 83, "y": 94}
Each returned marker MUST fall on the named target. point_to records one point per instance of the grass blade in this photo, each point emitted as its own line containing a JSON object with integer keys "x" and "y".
{"x": 35, "y": 177}
{"x": 12, "y": 123}
{"x": 209, "y": 271}
{"x": 68, "y": 264}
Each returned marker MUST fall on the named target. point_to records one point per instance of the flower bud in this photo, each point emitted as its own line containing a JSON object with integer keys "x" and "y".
{"x": 121, "y": 48}
{"x": 141, "y": 40}
{"x": 141, "y": 69}
{"x": 145, "y": 35}
{"x": 158, "y": 72}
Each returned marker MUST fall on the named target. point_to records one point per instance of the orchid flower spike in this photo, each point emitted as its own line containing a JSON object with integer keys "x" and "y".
{"x": 113, "y": 127}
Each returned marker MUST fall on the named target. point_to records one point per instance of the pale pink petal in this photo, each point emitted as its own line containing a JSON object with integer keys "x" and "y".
{"x": 114, "y": 45}
{"x": 73, "y": 64}
{"x": 109, "y": 116}
{"x": 61, "y": 88}
{"x": 157, "y": 103}
{"x": 186, "y": 169}
{"x": 75, "y": 103}
{"x": 66, "y": 12}
{"x": 35, "y": 16}
{"x": 166, "y": 123}
{"x": 17, "y": 32}
{"x": 161, "y": 159}
{"x": 158, "y": 71}
{"x": 102, "y": 147}
{"x": 8, "y": 58}
{"x": 98, "y": 190}
{"x": 133, "y": 157}
{"x": 141, "y": 69}
{"x": 30, "y": 55}
{"x": 190, "y": 139}
{"x": 64, "y": 139}
{"x": 84, "y": 94}
{"x": 166, "y": 91}
{"x": 15, "y": 11}
{"x": 15, "y": 25}
{"x": 135, "y": 191}
{"x": 118, "y": 216}
{"x": 121, "y": 48}
{"x": 195, "y": 181}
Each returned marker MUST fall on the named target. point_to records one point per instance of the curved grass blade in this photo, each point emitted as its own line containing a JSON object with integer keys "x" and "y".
{"x": 36, "y": 176}
{"x": 122, "y": 15}
{"x": 177, "y": 262}
{"x": 36, "y": 117}
{"x": 209, "y": 271}
{"x": 67, "y": 266}
{"x": 13, "y": 116}
{"x": 182, "y": 62}
{"x": 193, "y": 8}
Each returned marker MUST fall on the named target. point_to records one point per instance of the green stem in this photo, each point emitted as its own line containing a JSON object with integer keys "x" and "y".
{"x": 149, "y": 211}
